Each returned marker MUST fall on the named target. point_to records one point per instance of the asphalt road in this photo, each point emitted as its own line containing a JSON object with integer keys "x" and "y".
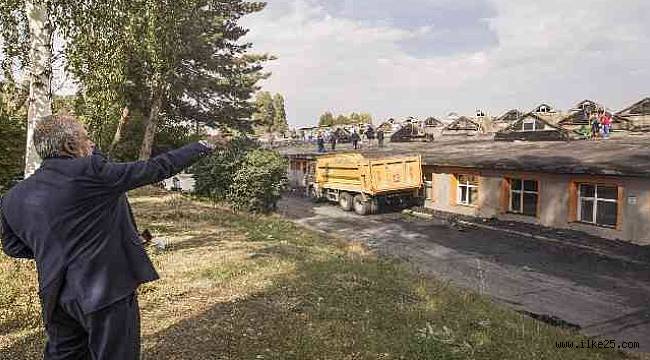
{"x": 600, "y": 286}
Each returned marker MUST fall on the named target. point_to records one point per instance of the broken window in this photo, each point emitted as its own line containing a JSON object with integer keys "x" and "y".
{"x": 524, "y": 195}
{"x": 467, "y": 189}
{"x": 598, "y": 204}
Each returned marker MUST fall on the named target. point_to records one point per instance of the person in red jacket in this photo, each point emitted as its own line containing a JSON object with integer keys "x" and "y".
{"x": 606, "y": 123}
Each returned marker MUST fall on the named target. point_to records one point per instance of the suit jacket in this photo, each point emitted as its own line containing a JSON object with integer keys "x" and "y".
{"x": 73, "y": 218}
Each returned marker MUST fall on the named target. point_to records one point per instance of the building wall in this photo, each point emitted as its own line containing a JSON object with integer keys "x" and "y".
{"x": 298, "y": 168}
{"x": 556, "y": 201}
{"x": 183, "y": 181}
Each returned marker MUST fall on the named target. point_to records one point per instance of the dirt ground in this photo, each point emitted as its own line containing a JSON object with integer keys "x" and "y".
{"x": 598, "y": 286}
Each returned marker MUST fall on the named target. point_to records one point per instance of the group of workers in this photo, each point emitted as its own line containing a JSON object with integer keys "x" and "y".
{"x": 600, "y": 125}
{"x": 356, "y": 138}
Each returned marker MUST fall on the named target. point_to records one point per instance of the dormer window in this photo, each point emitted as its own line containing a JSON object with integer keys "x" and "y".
{"x": 528, "y": 125}
{"x": 544, "y": 109}
{"x": 532, "y": 125}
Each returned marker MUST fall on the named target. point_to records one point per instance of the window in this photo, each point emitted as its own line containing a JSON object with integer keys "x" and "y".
{"x": 598, "y": 204}
{"x": 467, "y": 189}
{"x": 529, "y": 125}
{"x": 532, "y": 125}
{"x": 524, "y": 195}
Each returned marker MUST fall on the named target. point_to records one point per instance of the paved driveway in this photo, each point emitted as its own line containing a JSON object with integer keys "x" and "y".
{"x": 599, "y": 286}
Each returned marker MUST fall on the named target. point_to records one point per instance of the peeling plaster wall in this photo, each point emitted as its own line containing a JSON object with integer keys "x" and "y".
{"x": 554, "y": 208}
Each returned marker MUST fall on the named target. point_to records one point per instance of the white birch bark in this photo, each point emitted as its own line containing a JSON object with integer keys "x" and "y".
{"x": 40, "y": 76}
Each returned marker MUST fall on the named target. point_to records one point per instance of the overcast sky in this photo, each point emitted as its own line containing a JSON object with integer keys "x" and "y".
{"x": 429, "y": 57}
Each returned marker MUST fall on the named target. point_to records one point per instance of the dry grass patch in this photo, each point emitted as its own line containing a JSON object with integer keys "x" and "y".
{"x": 241, "y": 286}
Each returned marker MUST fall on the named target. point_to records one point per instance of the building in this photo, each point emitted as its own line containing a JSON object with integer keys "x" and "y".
{"x": 578, "y": 117}
{"x": 597, "y": 187}
{"x": 416, "y": 130}
{"x": 462, "y": 126}
{"x": 638, "y": 115}
{"x": 532, "y": 127}
{"x": 507, "y": 119}
{"x": 562, "y": 185}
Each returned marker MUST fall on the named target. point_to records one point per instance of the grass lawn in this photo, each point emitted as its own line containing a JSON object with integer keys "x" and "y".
{"x": 240, "y": 286}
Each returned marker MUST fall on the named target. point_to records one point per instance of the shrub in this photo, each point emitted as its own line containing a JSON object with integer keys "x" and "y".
{"x": 13, "y": 135}
{"x": 214, "y": 174}
{"x": 258, "y": 184}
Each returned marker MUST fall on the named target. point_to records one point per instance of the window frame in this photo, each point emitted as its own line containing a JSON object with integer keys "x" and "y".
{"x": 468, "y": 185}
{"x": 535, "y": 123}
{"x": 595, "y": 199}
{"x": 521, "y": 193}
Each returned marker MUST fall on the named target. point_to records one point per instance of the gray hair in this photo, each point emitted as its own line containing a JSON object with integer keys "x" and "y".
{"x": 52, "y": 132}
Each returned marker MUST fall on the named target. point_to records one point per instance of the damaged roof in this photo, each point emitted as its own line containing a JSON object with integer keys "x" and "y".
{"x": 629, "y": 156}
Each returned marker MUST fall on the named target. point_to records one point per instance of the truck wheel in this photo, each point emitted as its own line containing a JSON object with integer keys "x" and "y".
{"x": 313, "y": 194}
{"x": 374, "y": 206}
{"x": 345, "y": 201}
{"x": 361, "y": 207}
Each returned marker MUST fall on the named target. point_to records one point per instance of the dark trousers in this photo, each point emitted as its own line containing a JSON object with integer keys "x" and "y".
{"x": 112, "y": 333}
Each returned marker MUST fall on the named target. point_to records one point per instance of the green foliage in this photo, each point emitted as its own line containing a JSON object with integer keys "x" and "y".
{"x": 214, "y": 174}
{"x": 247, "y": 177}
{"x": 127, "y": 52}
{"x": 13, "y": 133}
{"x": 258, "y": 184}
{"x": 171, "y": 135}
{"x": 280, "y": 122}
{"x": 270, "y": 113}
{"x": 14, "y": 39}
{"x": 188, "y": 53}
{"x": 328, "y": 119}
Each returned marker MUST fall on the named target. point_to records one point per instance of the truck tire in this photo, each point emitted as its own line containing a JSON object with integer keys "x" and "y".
{"x": 313, "y": 194}
{"x": 345, "y": 201}
{"x": 374, "y": 206}
{"x": 361, "y": 206}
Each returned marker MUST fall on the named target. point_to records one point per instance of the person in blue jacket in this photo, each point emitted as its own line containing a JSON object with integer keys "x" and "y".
{"x": 72, "y": 217}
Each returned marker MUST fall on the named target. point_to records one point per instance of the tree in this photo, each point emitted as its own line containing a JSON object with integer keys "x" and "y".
{"x": 13, "y": 132}
{"x": 342, "y": 120}
{"x": 280, "y": 122}
{"x": 182, "y": 60}
{"x": 264, "y": 116}
{"x": 40, "y": 75}
{"x": 327, "y": 119}
{"x": 172, "y": 62}
{"x": 365, "y": 118}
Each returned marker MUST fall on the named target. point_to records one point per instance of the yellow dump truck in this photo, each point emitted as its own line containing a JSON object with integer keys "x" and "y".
{"x": 366, "y": 184}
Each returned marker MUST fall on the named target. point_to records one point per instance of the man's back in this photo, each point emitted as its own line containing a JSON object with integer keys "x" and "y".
{"x": 73, "y": 216}
{"x": 71, "y": 219}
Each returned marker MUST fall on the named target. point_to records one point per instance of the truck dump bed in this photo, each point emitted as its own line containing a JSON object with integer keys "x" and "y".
{"x": 373, "y": 176}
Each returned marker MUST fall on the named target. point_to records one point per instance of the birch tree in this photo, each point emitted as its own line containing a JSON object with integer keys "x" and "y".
{"x": 40, "y": 75}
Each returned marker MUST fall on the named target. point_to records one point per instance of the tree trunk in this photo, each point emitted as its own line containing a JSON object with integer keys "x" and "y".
{"x": 152, "y": 123}
{"x": 124, "y": 119}
{"x": 40, "y": 76}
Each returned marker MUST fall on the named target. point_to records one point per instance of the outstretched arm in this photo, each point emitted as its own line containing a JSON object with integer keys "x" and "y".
{"x": 122, "y": 177}
{"x": 12, "y": 245}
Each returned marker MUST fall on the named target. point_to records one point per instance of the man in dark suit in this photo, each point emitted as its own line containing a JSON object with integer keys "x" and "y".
{"x": 73, "y": 218}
